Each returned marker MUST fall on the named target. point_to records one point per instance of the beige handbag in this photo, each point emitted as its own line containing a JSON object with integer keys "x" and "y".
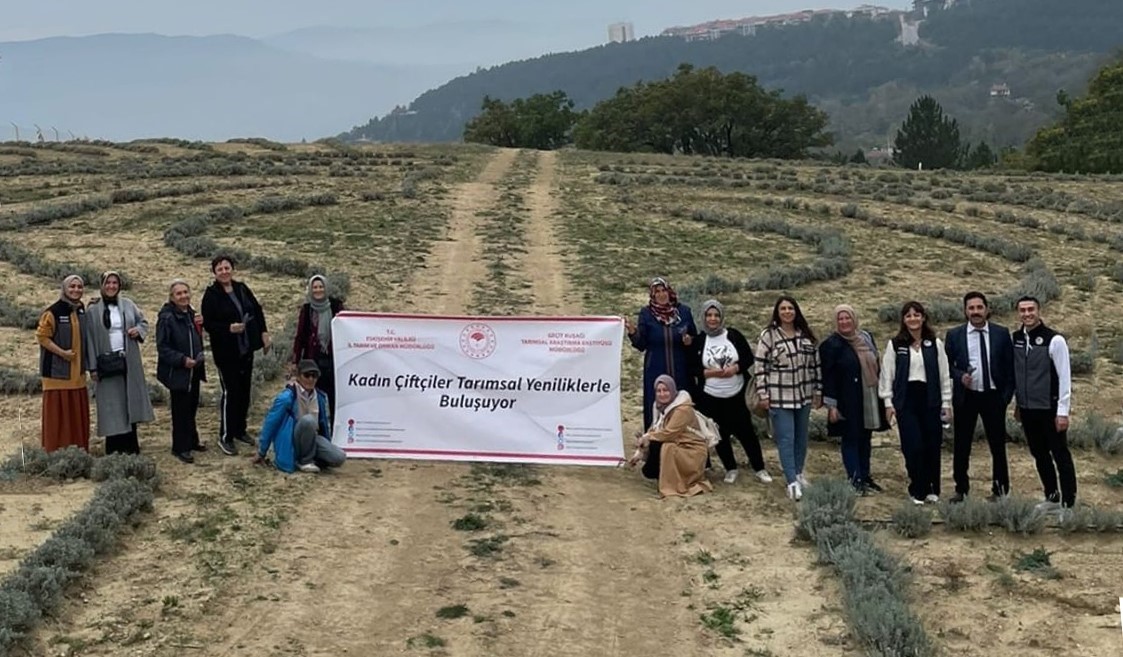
{"x": 752, "y": 399}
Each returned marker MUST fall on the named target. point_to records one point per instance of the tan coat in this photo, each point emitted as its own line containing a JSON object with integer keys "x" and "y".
{"x": 682, "y": 466}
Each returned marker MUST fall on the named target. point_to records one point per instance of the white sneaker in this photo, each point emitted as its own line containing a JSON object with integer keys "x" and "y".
{"x": 1046, "y": 507}
{"x": 916, "y": 501}
{"x": 932, "y": 499}
{"x": 795, "y": 491}
{"x": 731, "y": 476}
{"x": 763, "y": 476}
{"x": 802, "y": 480}
{"x": 309, "y": 467}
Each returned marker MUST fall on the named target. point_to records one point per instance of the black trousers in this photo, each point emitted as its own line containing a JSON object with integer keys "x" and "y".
{"x": 650, "y": 468}
{"x": 123, "y": 443}
{"x": 235, "y": 378}
{"x": 921, "y": 436}
{"x": 987, "y": 405}
{"x": 1048, "y": 447}
{"x": 185, "y": 404}
{"x": 733, "y": 419}
{"x": 326, "y": 382}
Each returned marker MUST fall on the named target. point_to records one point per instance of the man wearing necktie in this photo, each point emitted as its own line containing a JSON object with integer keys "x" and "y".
{"x": 981, "y": 358}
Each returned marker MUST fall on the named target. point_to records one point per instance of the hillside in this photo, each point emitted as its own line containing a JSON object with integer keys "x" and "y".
{"x": 854, "y": 68}
{"x": 125, "y": 86}
{"x": 400, "y": 558}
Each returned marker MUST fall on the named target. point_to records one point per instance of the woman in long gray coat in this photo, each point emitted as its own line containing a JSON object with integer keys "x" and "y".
{"x": 115, "y": 329}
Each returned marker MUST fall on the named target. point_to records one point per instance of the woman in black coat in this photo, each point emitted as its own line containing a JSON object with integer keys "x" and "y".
{"x": 235, "y": 322}
{"x": 721, "y": 360}
{"x": 180, "y": 367}
{"x": 850, "y": 366}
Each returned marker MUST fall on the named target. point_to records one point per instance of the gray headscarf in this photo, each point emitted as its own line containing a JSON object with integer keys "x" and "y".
{"x": 323, "y": 311}
{"x": 668, "y": 381}
{"x": 66, "y": 283}
{"x": 713, "y": 303}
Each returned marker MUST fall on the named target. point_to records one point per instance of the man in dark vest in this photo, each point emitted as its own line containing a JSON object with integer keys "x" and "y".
{"x": 981, "y": 356}
{"x": 1043, "y": 389}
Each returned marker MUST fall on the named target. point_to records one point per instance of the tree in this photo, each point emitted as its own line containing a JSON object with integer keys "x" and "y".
{"x": 704, "y": 112}
{"x": 928, "y": 138}
{"x": 979, "y": 157}
{"x": 1089, "y": 138}
{"x": 859, "y": 157}
{"x": 496, "y": 125}
{"x": 542, "y": 121}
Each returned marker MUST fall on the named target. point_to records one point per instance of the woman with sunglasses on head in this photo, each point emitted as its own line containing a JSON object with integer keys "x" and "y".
{"x": 115, "y": 329}
{"x": 788, "y": 381}
{"x": 916, "y": 386}
{"x": 236, "y": 325}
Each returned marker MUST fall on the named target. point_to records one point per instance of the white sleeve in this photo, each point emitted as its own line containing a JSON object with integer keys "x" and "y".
{"x": 945, "y": 375}
{"x": 1058, "y": 351}
{"x": 888, "y": 372}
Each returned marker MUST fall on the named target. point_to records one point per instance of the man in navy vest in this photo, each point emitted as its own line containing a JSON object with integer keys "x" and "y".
{"x": 1043, "y": 389}
{"x": 981, "y": 356}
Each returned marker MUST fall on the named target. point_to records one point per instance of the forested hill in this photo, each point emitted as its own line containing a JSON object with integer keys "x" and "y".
{"x": 853, "y": 68}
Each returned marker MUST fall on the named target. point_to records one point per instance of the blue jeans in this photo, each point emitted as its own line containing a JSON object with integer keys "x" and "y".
{"x": 309, "y": 447}
{"x": 789, "y": 428}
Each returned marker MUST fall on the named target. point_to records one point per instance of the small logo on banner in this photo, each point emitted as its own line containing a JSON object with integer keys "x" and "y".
{"x": 561, "y": 437}
{"x": 350, "y": 431}
{"x": 477, "y": 341}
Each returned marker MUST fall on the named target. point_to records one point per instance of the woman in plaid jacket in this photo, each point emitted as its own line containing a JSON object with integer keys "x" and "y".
{"x": 788, "y": 381}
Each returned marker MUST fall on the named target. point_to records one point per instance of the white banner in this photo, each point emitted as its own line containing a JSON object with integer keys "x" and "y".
{"x": 508, "y": 389}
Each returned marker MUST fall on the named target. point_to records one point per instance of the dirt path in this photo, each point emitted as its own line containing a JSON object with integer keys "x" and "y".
{"x": 444, "y": 283}
{"x": 544, "y": 263}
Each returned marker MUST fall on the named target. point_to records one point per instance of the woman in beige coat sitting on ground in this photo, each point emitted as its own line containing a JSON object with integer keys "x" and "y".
{"x": 676, "y": 453}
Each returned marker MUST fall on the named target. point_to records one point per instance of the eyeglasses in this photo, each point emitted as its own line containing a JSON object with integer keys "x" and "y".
{"x": 310, "y": 375}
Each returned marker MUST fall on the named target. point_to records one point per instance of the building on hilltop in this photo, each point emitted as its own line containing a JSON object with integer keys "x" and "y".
{"x": 621, "y": 33}
{"x": 748, "y": 26}
{"x": 1000, "y": 90}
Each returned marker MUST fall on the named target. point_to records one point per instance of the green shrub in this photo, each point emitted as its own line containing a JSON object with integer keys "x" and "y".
{"x": 827, "y": 502}
{"x": 1017, "y": 514}
{"x": 69, "y": 463}
{"x": 912, "y": 521}
{"x": 122, "y": 466}
{"x": 970, "y": 515}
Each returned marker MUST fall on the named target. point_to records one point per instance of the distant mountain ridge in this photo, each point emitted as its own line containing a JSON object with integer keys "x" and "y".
{"x": 854, "y": 67}
{"x": 126, "y": 86}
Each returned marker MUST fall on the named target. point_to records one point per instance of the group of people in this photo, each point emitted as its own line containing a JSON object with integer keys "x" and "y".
{"x": 918, "y": 384}
{"x": 102, "y": 338}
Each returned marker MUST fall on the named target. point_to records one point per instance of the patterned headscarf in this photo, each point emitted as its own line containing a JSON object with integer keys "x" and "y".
{"x": 666, "y": 313}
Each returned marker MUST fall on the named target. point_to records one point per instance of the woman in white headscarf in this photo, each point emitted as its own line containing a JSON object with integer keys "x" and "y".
{"x": 115, "y": 329}
{"x": 313, "y": 335}
{"x": 66, "y": 404}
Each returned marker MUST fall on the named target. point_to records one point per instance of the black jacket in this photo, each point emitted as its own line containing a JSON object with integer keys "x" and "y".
{"x": 219, "y": 312}
{"x": 177, "y": 340}
{"x": 1001, "y": 352}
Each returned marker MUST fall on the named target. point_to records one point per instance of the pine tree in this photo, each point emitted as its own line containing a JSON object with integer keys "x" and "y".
{"x": 927, "y": 138}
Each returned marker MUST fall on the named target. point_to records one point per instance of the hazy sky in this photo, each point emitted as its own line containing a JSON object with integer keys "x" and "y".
{"x": 42, "y": 18}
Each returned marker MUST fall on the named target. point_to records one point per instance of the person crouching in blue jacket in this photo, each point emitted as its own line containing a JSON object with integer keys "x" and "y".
{"x": 298, "y": 426}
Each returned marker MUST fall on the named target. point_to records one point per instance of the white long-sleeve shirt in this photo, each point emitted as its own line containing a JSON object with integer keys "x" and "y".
{"x": 916, "y": 371}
